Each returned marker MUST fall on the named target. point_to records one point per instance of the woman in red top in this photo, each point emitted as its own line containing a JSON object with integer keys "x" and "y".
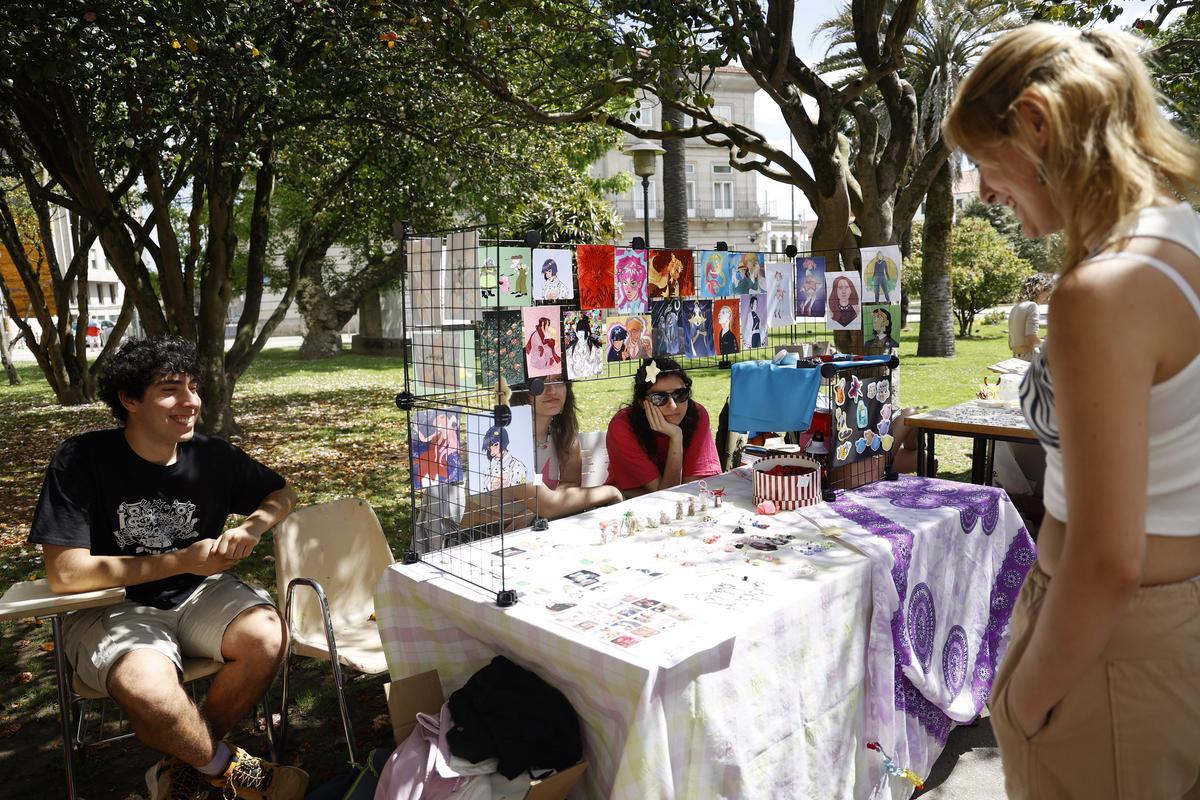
{"x": 663, "y": 438}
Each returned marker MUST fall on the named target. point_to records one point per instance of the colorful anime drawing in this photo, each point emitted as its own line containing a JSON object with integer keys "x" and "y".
{"x": 780, "y": 310}
{"x": 639, "y": 344}
{"x": 881, "y": 269}
{"x": 810, "y": 286}
{"x": 596, "y": 268}
{"x": 552, "y": 275}
{"x": 618, "y": 337}
{"x": 583, "y": 331}
{"x": 631, "y": 281}
{"x": 436, "y": 447}
{"x": 754, "y": 325}
{"x": 747, "y": 275}
{"x": 513, "y": 264}
{"x": 726, "y": 322}
{"x": 667, "y": 333}
{"x": 730, "y": 269}
{"x": 505, "y": 454}
{"x": 712, "y": 274}
{"x": 542, "y": 341}
{"x": 843, "y": 312}
{"x": 672, "y": 274}
{"x": 696, "y": 319}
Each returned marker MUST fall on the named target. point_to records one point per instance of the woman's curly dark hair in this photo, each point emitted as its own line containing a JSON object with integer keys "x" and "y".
{"x": 139, "y": 363}
{"x": 637, "y": 414}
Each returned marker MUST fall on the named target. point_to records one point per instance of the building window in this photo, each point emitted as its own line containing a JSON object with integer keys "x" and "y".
{"x": 643, "y": 115}
{"x": 723, "y": 112}
{"x": 638, "y": 211}
{"x": 723, "y": 198}
{"x": 690, "y": 169}
{"x": 722, "y": 169}
{"x": 112, "y": 293}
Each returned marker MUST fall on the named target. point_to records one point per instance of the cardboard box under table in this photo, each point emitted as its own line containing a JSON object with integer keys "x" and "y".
{"x": 422, "y": 693}
{"x": 700, "y": 668}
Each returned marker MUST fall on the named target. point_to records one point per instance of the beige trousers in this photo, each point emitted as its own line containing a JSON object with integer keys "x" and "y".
{"x": 1130, "y": 728}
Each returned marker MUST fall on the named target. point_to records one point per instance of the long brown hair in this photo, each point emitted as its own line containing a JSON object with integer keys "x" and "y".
{"x": 564, "y": 426}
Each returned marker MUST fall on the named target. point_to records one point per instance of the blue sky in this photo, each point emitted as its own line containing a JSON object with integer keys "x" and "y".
{"x": 769, "y": 122}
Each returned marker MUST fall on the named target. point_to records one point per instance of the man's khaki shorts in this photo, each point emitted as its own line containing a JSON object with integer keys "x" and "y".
{"x": 96, "y": 638}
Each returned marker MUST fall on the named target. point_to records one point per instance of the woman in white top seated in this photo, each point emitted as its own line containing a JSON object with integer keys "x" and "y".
{"x": 1098, "y": 695}
{"x": 1024, "y": 319}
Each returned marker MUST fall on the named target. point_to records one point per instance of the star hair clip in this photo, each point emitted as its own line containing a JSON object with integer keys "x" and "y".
{"x": 652, "y": 371}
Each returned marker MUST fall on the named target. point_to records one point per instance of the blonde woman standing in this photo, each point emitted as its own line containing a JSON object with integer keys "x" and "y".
{"x": 1099, "y": 692}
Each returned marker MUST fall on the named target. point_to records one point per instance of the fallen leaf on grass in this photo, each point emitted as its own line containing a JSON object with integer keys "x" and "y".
{"x": 24, "y": 677}
{"x": 9, "y": 730}
{"x": 47, "y": 647}
{"x": 21, "y": 644}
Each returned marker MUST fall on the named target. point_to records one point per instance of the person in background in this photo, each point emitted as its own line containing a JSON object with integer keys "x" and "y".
{"x": 144, "y": 506}
{"x": 662, "y": 438}
{"x": 559, "y": 461}
{"x": 1024, "y": 318}
{"x": 1098, "y": 695}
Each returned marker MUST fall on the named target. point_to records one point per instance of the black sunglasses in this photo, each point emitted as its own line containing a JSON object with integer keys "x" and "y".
{"x": 680, "y": 395}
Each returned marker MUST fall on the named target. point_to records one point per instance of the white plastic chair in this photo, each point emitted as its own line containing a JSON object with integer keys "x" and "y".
{"x": 338, "y": 550}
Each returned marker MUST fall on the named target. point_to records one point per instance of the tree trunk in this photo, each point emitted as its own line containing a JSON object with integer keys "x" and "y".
{"x": 675, "y": 218}
{"x": 322, "y": 322}
{"x": 370, "y": 315}
{"x": 905, "y": 253}
{"x": 5, "y": 353}
{"x": 937, "y": 307}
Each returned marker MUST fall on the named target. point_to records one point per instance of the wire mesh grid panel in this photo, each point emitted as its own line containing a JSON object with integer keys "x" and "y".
{"x": 485, "y": 316}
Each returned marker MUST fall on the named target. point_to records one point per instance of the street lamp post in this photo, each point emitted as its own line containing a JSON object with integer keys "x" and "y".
{"x": 645, "y": 156}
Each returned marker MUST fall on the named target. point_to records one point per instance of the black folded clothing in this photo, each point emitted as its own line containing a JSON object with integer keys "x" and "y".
{"x": 509, "y": 713}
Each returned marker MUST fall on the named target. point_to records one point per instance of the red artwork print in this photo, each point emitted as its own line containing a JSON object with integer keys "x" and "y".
{"x": 596, "y": 265}
{"x": 672, "y": 274}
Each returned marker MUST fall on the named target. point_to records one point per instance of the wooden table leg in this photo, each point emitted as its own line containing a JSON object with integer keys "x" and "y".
{"x": 922, "y": 470}
{"x": 978, "y": 459}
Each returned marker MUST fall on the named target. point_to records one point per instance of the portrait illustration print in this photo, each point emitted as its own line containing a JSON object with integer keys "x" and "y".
{"x": 500, "y": 457}
{"x": 754, "y": 326}
{"x": 726, "y": 328}
{"x": 667, "y": 333}
{"x": 697, "y": 322}
{"x": 436, "y": 447}
{"x": 514, "y": 279}
{"x": 543, "y": 340}
{"x": 583, "y": 332}
{"x": 672, "y": 274}
{"x": 810, "y": 287}
{"x": 780, "y": 310}
{"x": 843, "y": 311}
{"x": 631, "y": 281}
{"x": 552, "y": 275}
{"x": 881, "y": 268}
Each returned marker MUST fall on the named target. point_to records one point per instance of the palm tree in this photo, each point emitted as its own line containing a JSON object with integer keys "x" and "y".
{"x": 945, "y": 40}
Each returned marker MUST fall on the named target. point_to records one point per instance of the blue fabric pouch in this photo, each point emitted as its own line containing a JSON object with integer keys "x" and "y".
{"x": 767, "y": 397}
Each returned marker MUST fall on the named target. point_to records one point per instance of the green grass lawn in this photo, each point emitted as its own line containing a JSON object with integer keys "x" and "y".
{"x": 333, "y": 429}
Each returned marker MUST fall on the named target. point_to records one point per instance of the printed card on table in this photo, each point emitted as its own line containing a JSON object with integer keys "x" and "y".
{"x": 583, "y": 332}
{"x": 843, "y": 311}
{"x": 672, "y": 274}
{"x": 552, "y": 275}
{"x": 696, "y": 319}
{"x": 881, "y": 269}
{"x": 780, "y": 309}
{"x": 596, "y": 266}
{"x": 543, "y": 340}
{"x": 810, "y": 287}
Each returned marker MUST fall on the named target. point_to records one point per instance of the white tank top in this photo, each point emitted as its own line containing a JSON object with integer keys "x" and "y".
{"x": 1173, "y": 480}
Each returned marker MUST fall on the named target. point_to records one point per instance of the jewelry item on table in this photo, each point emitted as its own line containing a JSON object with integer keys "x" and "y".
{"x": 603, "y": 533}
{"x": 767, "y": 507}
{"x": 663, "y": 517}
{"x": 712, "y": 539}
{"x": 691, "y": 512}
{"x": 678, "y": 532}
{"x": 891, "y": 768}
{"x": 678, "y": 509}
{"x": 758, "y": 524}
{"x": 738, "y": 529}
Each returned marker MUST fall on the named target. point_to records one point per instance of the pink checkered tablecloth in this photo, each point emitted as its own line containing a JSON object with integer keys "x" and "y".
{"x": 701, "y": 669}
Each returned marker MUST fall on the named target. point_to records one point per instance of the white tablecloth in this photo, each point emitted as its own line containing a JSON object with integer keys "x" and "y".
{"x": 701, "y": 669}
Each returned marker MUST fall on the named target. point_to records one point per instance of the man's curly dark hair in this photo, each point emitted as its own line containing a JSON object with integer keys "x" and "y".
{"x": 140, "y": 362}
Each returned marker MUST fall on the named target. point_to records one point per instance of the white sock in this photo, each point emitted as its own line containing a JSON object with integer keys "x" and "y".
{"x": 219, "y": 761}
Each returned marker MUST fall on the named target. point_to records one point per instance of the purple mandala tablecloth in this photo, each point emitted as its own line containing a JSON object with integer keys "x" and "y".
{"x": 941, "y": 604}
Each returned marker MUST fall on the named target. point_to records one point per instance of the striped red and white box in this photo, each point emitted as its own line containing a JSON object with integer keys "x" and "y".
{"x": 787, "y": 491}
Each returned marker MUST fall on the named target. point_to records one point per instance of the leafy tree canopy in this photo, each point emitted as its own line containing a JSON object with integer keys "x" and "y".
{"x": 984, "y": 270}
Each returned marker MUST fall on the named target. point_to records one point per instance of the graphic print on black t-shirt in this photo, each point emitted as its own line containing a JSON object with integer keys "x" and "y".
{"x": 155, "y": 526}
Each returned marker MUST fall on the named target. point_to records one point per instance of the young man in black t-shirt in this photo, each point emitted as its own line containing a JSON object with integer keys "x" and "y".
{"x": 144, "y": 506}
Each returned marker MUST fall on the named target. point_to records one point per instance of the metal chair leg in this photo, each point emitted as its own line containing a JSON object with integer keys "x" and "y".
{"x": 64, "y": 704}
{"x": 338, "y": 682}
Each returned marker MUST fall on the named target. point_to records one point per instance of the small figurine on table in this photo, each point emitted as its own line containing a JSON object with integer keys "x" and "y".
{"x": 691, "y": 507}
{"x": 663, "y": 517}
{"x": 678, "y": 509}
